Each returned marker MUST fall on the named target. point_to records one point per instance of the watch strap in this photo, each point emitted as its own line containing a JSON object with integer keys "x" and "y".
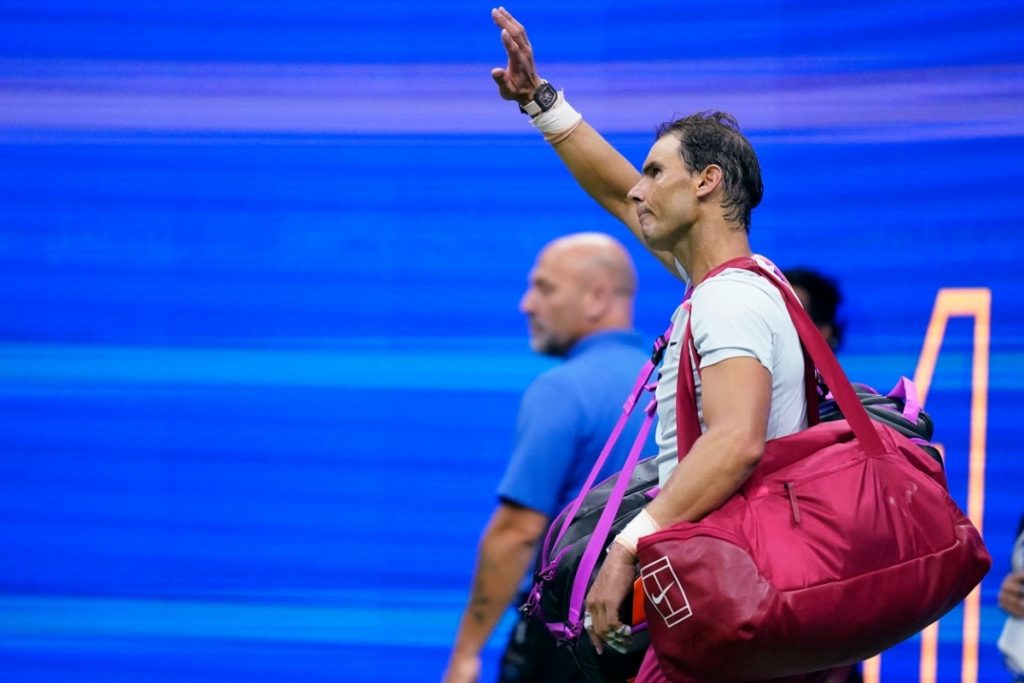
{"x": 536, "y": 107}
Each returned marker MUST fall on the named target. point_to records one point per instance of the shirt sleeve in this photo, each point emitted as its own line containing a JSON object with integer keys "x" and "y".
{"x": 732, "y": 319}
{"x": 546, "y": 442}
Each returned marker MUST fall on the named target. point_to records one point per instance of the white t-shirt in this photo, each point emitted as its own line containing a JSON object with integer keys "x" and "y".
{"x": 736, "y": 314}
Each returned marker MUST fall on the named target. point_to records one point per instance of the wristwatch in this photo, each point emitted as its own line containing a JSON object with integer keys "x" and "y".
{"x": 543, "y": 99}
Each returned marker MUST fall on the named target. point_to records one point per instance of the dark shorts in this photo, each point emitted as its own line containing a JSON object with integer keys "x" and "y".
{"x": 533, "y": 656}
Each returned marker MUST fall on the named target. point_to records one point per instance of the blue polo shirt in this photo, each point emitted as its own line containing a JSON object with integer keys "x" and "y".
{"x": 565, "y": 417}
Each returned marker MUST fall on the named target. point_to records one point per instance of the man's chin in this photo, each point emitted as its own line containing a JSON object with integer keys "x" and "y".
{"x": 546, "y": 346}
{"x": 652, "y": 240}
{"x": 648, "y": 235}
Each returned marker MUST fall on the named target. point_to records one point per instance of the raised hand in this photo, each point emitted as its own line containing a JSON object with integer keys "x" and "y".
{"x": 518, "y": 80}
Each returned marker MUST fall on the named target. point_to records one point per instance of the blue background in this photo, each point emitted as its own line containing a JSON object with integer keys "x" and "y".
{"x": 260, "y": 354}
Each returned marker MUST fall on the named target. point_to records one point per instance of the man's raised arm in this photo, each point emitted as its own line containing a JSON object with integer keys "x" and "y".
{"x": 606, "y": 175}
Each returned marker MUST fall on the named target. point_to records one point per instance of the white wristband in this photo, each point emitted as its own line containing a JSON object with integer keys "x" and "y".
{"x": 641, "y": 525}
{"x": 559, "y": 117}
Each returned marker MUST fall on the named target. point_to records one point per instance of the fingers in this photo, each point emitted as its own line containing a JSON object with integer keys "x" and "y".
{"x": 520, "y": 62}
{"x": 503, "y": 18}
{"x": 1011, "y": 595}
{"x": 606, "y": 595}
{"x": 593, "y": 623}
{"x": 516, "y": 31}
{"x": 604, "y": 624}
{"x": 501, "y": 79}
{"x": 511, "y": 46}
{"x": 596, "y": 641}
{"x": 519, "y": 79}
{"x": 512, "y": 21}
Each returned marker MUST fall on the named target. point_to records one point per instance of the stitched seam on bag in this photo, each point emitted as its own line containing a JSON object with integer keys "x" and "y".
{"x": 775, "y": 478}
{"x": 840, "y": 582}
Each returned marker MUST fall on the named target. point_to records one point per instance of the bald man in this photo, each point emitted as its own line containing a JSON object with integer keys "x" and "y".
{"x": 579, "y": 307}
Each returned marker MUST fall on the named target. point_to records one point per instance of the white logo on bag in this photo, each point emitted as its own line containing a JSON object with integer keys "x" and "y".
{"x": 661, "y": 596}
{"x": 665, "y": 591}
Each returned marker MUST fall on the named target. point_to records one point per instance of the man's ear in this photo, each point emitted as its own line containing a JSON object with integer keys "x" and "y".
{"x": 709, "y": 180}
{"x": 596, "y": 300}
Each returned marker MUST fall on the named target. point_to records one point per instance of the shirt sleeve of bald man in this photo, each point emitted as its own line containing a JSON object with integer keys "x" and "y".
{"x": 546, "y": 442}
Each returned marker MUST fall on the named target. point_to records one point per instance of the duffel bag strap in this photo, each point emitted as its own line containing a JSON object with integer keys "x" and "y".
{"x": 598, "y": 539}
{"x": 688, "y": 426}
{"x": 826, "y": 363}
{"x": 821, "y": 355}
{"x": 639, "y": 387}
{"x": 906, "y": 390}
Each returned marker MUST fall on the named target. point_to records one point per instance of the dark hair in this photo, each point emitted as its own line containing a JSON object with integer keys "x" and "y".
{"x": 825, "y": 298}
{"x": 713, "y": 137}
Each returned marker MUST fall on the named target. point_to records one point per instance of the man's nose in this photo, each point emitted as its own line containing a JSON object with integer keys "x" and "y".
{"x": 526, "y": 302}
{"x": 636, "y": 193}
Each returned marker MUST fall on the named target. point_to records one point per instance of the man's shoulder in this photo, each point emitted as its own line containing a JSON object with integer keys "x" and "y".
{"x": 736, "y": 289}
{"x": 607, "y": 350}
{"x": 617, "y": 354}
{"x": 552, "y": 377}
{"x": 738, "y": 302}
{"x": 554, "y": 384}
{"x": 734, "y": 280}
{"x": 610, "y": 341}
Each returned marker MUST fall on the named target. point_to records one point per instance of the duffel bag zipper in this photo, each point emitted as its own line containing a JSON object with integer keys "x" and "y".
{"x": 792, "y": 501}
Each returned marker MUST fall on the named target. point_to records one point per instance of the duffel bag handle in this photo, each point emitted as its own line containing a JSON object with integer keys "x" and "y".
{"x": 814, "y": 345}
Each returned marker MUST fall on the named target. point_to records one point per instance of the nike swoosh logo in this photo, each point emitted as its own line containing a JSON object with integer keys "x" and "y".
{"x": 661, "y": 596}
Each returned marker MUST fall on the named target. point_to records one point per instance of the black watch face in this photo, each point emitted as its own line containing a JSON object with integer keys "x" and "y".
{"x": 545, "y": 96}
